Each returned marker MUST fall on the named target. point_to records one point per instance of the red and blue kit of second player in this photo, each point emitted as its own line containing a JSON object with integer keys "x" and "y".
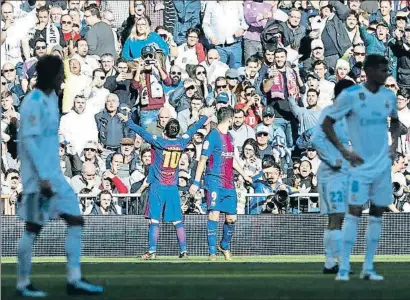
{"x": 219, "y": 174}
{"x": 163, "y": 172}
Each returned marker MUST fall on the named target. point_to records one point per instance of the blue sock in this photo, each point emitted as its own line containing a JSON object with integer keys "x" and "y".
{"x": 212, "y": 232}
{"x": 349, "y": 239}
{"x": 373, "y": 235}
{"x": 153, "y": 233}
{"x": 73, "y": 250}
{"x": 180, "y": 229}
{"x": 228, "y": 231}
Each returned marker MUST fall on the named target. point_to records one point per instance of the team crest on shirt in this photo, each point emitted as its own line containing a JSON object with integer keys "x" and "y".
{"x": 205, "y": 145}
{"x": 387, "y": 105}
{"x": 362, "y": 96}
{"x": 354, "y": 198}
{"x": 33, "y": 120}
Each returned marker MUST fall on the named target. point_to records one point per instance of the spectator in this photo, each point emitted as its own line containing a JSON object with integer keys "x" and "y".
{"x": 341, "y": 72}
{"x": 318, "y": 53}
{"x": 202, "y": 80}
{"x": 157, "y": 128}
{"x": 188, "y": 17}
{"x": 148, "y": 80}
{"x": 29, "y": 67}
{"x": 356, "y": 60}
{"x": 221, "y": 86}
{"x": 257, "y": 14}
{"x": 226, "y": 40}
{"x": 136, "y": 11}
{"x": 109, "y": 19}
{"x": 334, "y": 35}
{"x": 13, "y": 83}
{"x": 268, "y": 118}
{"x": 251, "y": 71}
{"x": 402, "y": 51}
{"x": 121, "y": 84}
{"x": 88, "y": 62}
{"x": 352, "y": 27}
{"x": 313, "y": 158}
{"x": 106, "y": 206}
{"x": 140, "y": 38}
{"x": 249, "y": 158}
{"x": 119, "y": 11}
{"x": 67, "y": 29}
{"x": 232, "y": 78}
{"x": 401, "y": 20}
{"x": 391, "y": 84}
{"x": 142, "y": 171}
{"x": 325, "y": 86}
{"x": 87, "y": 179}
{"x": 99, "y": 37}
{"x": 240, "y": 131}
{"x": 262, "y": 138}
{"x": 292, "y": 30}
{"x": 180, "y": 99}
{"x": 90, "y": 154}
{"x": 251, "y": 105}
{"x": 176, "y": 76}
{"x": 107, "y": 63}
{"x": 47, "y": 30}
{"x": 404, "y": 117}
{"x": 191, "y": 52}
{"x": 213, "y": 65}
{"x": 384, "y": 14}
{"x": 110, "y": 129}
{"x": 189, "y": 116}
{"x": 56, "y": 13}
{"x": 96, "y": 93}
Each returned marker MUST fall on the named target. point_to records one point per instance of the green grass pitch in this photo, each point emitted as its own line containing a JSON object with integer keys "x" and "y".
{"x": 274, "y": 277}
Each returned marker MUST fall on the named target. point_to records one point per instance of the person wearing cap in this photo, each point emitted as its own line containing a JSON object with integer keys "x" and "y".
{"x": 78, "y": 126}
{"x": 87, "y": 179}
{"x": 140, "y": 37}
{"x": 90, "y": 153}
{"x": 232, "y": 78}
{"x": 317, "y": 53}
{"x": 222, "y": 100}
{"x": 180, "y": 98}
{"x": 221, "y": 86}
{"x": 240, "y": 130}
{"x": 268, "y": 118}
{"x": 401, "y": 20}
{"x": 334, "y": 35}
{"x": 379, "y": 42}
{"x": 262, "y": 141}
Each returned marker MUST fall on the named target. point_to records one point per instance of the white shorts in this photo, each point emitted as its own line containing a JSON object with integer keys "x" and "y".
{"x": 35, "y": 208}
{"x": 378, "y": 190}
{"x": 333, "y": 195}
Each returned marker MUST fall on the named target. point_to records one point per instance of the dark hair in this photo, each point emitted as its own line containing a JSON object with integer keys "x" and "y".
{"x": 107, "y": 54}
{"x": 98, "y": 70}
{"x": 159, "y": 27}
{"x": 219, "y": 78}
{"x": 251, "y": 142}
{"x": 199, "y": 66}
{"x": 268, "y": 161}
{"x": 354, "y": 13}
{"x": 281, "y": 50}
{"x": 172, "y": 128}
{"x": 42, "y": 9}
{"x": 48, "y": 68}
{"x": 145, "y": 150}
{"x": 80, "y": 40}
{"x": 397, "y": 156}
{"x": 313, "y": 91}
{"x": 41, "y": 40}
{"x": 93, "y": 8}
{"x": 121, "y": 60}
{"x": 238, "y": 110}
{"x": 193, "y": 30}
{"x": 225, "y": 113}
{"x": 373, "y": 61}
{"x": 341, "y": 85}
{"x": 403, "y": 92}
{"x": 104, "y": 192}
{"x": 318, "y": 63}
{"x": 10, "y": 171}
{"x": 253, "y": 59}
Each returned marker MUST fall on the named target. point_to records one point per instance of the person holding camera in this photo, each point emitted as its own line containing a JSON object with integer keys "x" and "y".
{"x": 148, "y": 80}
{"x": 270, "y": 183}
{"x": 251, "y": 105}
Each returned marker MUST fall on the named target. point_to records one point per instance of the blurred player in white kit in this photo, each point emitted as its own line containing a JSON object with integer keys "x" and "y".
{"x": 46, "y": 193}
{"x": 366, "y": 108}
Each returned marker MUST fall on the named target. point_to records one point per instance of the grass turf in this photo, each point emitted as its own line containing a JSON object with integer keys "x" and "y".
{"x": 296, "y": 277}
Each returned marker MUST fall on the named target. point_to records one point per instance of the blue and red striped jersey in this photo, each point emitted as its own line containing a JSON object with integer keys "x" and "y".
{"x": 219, "y": 149}
{"x": 166, "y": 153}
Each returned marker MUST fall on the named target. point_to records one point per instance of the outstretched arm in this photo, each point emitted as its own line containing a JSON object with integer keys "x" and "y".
{"x": 139, "y": 130}
{"x": 194, "y": 128}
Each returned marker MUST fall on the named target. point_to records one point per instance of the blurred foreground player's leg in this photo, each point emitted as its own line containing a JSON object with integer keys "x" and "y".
{"x": 219, "y": 182}
{"x": 366, "y": 108}
{"x": 333, "y": 177}
{"x": 46, "y": 192}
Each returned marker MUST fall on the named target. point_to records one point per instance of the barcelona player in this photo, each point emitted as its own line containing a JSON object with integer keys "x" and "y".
{"x": 163, "y": 197}
{"x": 218, "y": 159}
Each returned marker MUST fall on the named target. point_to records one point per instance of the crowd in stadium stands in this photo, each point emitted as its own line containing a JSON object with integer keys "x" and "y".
{"x": 274, "y": 62}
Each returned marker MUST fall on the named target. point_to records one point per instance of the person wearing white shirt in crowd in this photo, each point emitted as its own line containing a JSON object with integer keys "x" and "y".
{"x": 214, "y": 66}
{"x": 240, "y": 132}
{"x": 78, "y": 126}
{"x": 88, "y": 62}
{"x": 224, "y": 25}
{"x": 87, "y": 179}
{"x": 313, "y": 158}
{"x": 96, "y": 93}
{"x": 187, "y": 52}
{"x": 325, "y": 87}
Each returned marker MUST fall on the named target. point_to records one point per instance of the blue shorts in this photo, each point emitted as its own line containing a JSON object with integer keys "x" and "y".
{"x": 333, "y": 194}
{"x": 221, "y": 199}
{"x": 163, "y": 201}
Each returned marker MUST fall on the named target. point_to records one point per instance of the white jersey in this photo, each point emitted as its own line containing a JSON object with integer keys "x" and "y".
{"x": 366, "y": 114}
{"x": 39, "y": 119}
{"x": 327, "y": 152}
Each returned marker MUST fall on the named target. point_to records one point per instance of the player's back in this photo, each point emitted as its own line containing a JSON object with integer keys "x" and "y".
{"x": 165, "y": 159}
{"x": 219, "y": 148}
{"x": 327, "y": 151}
{"x": 39, "y": 117}
{"x": 367, "y": 115}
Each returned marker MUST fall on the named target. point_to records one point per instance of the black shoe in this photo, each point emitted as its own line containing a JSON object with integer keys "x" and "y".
{"x": 83, "y": 287}
{"x": 31, "y": 291}
{"x": 332, "y": 270}
{"x": 183, "y": 255}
